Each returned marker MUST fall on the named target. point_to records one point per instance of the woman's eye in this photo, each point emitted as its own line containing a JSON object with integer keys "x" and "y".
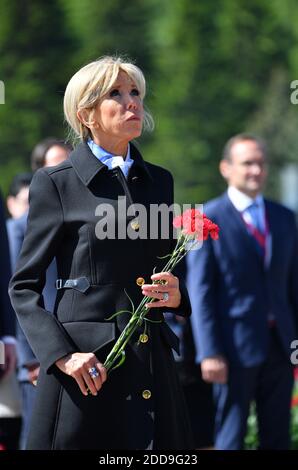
{"x": 135, "y": 92}
{"x": 114, "y": 92}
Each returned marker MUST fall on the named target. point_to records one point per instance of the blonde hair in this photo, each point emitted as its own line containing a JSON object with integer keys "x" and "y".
{"x": 93, "y": 81}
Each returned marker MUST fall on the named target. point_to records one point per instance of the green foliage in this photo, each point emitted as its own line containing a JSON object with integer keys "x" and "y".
{"x": 251, "y": 438}
{"x": 116, "y": 27}
{"x": 213, "y": 69}
{"x": 33, "y": 55}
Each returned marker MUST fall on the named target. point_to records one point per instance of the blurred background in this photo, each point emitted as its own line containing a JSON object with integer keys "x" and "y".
{"x": 213, "y": 69}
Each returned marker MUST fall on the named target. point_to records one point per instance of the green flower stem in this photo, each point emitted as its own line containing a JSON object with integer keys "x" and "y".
{"x": 135, "y": 321}
{"x": 139, "y": 315}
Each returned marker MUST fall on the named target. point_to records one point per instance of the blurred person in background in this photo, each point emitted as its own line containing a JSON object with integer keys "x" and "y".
{"x": 17, "y": 201}
{"x": 10, "y": 408}
{"x": 244, "y": 297}
{"x": 48, "y": 152}
{"x": 197, "y": 392}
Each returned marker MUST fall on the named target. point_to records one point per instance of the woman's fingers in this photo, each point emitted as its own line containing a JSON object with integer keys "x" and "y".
{"x": 164, "y": 276}
{"x": 79, "y": 379}
{"x": 98, "y": 376}
{"x": 154, "y": 293}
{"x": 85, "y": 369}
{"x": 91, "y": 383}
{"x": 166, "y": 291}
{"x": 102, "y": 370}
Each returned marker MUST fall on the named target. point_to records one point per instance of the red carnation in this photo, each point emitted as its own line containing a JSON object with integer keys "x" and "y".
{"x": 193, "y": 222}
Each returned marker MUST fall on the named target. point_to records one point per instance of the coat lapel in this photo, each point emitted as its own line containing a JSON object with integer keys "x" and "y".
{"x": 87, "y": 166}
{"x": 238, "y": 226}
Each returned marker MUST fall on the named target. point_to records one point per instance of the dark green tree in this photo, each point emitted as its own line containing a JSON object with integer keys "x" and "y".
{"x": 213, "y": 68}
{"x": 34, "y": 49}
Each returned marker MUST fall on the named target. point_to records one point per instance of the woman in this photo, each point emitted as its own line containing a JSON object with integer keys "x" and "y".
{"x": 138, "y": 406}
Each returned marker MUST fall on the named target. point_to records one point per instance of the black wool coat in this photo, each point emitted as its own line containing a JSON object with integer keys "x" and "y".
{"x": 64, "y": 205}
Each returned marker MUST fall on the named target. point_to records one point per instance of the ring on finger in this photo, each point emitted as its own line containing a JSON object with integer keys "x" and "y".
{"x": 93, "y": 372}
{"x": 165, "y": 296}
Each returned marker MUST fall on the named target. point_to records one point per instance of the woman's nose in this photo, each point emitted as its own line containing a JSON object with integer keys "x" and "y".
{"x": 131, "y": 102}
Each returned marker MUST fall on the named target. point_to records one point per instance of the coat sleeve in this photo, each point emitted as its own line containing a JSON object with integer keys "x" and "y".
{"x": 202, "y": 287}
{"x": 7, "y": 316}
{"x": 44, "y": 233}
{"x": 16, "y": 230}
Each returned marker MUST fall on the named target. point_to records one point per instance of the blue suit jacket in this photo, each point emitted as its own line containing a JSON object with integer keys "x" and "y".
{"x": 16, "y": 229}
{"x": 7, "y": 316}
{"x": 232, "y": 293}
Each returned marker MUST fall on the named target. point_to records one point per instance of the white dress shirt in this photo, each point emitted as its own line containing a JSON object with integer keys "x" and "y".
{"x": 241, "y": 202}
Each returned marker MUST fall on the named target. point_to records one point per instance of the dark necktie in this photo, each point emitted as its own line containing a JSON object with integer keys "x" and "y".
{"x": 256, "y": 227}
{"x": 254, "y": 212}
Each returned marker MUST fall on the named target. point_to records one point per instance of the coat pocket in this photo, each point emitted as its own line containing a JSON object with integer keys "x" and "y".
{"x": 90, "y": 336}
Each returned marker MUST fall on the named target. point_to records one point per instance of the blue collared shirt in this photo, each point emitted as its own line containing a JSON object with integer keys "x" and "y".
{"x": 110, "y": 160}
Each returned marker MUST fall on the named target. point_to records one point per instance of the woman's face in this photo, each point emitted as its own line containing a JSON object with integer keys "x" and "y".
{"x": 118, "y": 116}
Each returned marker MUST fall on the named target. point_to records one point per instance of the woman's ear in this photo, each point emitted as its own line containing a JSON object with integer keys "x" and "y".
{"x": 85, "y": 116}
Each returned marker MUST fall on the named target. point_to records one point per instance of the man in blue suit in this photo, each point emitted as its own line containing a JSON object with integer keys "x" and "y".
{"x": 244, "y": 294}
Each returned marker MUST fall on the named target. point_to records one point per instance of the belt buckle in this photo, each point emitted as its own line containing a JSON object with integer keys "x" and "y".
{"x": 59, "y": 283}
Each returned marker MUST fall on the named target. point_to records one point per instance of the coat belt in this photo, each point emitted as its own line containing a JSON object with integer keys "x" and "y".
{"x": 81, "y": 284}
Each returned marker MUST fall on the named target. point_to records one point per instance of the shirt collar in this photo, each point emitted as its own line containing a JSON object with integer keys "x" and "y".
{"x": 87, "y": 166}
{"x": 241, "y": 201}
{"x": 103, "y": 155}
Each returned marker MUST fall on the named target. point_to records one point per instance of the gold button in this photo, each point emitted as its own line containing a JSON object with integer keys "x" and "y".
{"x": 135, "y": 225}
{"x": 140, "y": 281}
{"x": 143, "y": 338}
{"x": 146, "y": 394}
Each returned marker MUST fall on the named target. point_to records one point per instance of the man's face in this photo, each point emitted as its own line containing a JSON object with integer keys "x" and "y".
{"x": 18, "y": 205}
{"x": 247, "y": 169}
{"x": 55, "y": 155}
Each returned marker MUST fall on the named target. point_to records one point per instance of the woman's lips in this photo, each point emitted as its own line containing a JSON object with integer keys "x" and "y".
{"x": 134, "y": 118}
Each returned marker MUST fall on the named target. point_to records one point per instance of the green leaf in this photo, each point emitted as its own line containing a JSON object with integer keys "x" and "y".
{"x": 122, "y": 359}
{"x": 166, "y": 256}
{"x": 153, "y": 321}
{"x": 118, "y": 313}
{"x": 131, "y": 302}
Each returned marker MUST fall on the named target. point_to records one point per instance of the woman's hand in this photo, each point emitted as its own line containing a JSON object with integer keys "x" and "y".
{"x": 78, "y": 366}
{"x": 33, "y": 372}
{"x": 167, "y": 293}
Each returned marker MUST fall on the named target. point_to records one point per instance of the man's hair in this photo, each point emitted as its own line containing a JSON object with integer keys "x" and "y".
{"x": 39, "y": 152}
{"x": 241, "y": 138}
{"x": 19, "y": 181}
